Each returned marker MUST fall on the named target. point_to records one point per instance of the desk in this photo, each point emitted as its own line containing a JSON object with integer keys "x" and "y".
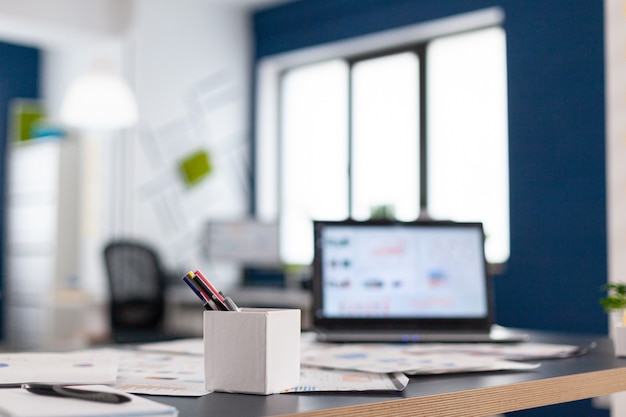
{"x": 559, "y": 380}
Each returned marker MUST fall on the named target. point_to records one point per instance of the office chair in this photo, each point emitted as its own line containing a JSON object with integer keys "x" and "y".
{"x": 137, "y": 292}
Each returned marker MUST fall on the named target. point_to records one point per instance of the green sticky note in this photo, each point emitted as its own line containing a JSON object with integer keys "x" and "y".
{"x": 195, "y": 167}
{"x": 26, "y": 115}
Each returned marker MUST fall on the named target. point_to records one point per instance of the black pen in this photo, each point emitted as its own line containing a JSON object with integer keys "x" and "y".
{"x": 207, "y": 292}
{"x": 79, "y": 394}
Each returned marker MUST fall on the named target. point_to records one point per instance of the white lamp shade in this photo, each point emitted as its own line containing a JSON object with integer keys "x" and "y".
{"x": 99, "y": 100}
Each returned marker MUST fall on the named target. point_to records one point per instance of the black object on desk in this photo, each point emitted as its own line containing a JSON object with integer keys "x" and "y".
{"x": 54, "y": 390}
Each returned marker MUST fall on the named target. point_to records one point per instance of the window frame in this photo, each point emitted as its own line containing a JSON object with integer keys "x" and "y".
{"x": 419, "y": 49}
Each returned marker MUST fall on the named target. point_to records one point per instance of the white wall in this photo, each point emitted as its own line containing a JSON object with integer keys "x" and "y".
{"x": 191, "y": 70}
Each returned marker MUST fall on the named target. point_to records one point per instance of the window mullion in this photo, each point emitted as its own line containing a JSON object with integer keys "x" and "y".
{"x": 420, "y": 50}
{"x": 350, "y": 134}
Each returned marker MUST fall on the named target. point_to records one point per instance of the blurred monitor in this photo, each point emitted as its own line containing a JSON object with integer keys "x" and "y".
{"x": 247, "y": 242}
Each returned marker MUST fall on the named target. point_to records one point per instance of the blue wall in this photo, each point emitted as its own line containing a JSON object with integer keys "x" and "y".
{"x": 556, "y": 132}
{"x": 19, "y": 77}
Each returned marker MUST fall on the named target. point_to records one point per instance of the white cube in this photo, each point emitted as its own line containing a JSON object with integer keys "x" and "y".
{"x": 255, "y": 351}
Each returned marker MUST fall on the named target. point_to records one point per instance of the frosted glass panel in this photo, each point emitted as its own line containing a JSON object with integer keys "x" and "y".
{"x": 467, "y": 131}
{"x": 314, "y": 154}
{"x": 32, "y": 225}
{"x": 41, "y": 182}
{"x": 30, "y": 274}
{"x": 385, "y": 151}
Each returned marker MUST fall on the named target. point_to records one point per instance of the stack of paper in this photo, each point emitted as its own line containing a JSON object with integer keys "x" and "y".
{"x": 409, "y": 359}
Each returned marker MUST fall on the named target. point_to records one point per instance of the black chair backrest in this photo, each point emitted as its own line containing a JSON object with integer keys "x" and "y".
{"x": 136, "y": 284}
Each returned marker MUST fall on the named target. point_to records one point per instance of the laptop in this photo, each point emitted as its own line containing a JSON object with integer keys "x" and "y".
{"x": 389, "y": 281}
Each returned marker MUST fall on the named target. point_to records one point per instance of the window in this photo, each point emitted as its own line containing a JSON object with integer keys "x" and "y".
{"x": 468, "y": 153}
{"x": 314, "y": 154}
{"x": 415, "y": 129}
{"x": 385, "y": 140}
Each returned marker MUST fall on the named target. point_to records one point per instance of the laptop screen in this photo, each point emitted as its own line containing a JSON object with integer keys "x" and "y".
{"x": 381, "y": 273}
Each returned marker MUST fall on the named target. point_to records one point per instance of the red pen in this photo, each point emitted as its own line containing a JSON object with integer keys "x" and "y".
{"x": 208, "y": 284}
{"x": 207, "y": 292}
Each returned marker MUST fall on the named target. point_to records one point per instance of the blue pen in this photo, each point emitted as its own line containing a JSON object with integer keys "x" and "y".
{"x": 206, "y": 303}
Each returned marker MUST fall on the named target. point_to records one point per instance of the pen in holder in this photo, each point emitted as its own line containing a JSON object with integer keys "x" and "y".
{"x": 253, "y": 350}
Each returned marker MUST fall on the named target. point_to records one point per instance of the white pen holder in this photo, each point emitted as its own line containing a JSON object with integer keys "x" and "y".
{"x": 255, "y": 350}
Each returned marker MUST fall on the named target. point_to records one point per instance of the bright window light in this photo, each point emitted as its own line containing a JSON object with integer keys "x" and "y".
{"x": 314, "y": 154}
{"x": 385, "y": 151}
{"x": 468, "y": 171}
